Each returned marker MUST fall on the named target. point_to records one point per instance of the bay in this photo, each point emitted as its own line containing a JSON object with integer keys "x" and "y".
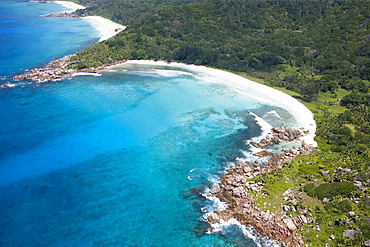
{"x": 119, "y": 159}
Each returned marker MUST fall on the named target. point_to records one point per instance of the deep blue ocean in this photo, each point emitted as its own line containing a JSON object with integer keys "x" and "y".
{"x": 113, "y": 160}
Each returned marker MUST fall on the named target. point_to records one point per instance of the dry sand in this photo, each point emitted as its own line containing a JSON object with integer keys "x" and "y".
{"x": 106, "y": 28}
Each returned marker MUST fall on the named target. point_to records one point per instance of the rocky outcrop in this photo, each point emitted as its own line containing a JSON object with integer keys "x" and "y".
{"x": 286, "y": 133}
{"x": 58, "y": 69}
{"x": 350, "y": 233}
{"x": 277, "y": 134}
{"x": 64, "y": 14}
{"x": 263, "y": 153}
{"x": 233, "y": 189}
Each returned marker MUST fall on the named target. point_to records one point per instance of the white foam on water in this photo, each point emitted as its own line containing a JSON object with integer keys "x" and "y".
{"x": 157, "y": 72}
{"x": 248, "y": 155}
{"x": 9, "y": 85}
{"x": 265, "y": 127}
{"x": 272, "y": 113}
{"x": 198, "y": 173}
{"x": 86, "y": 74}
{"x": 248, "y": 232}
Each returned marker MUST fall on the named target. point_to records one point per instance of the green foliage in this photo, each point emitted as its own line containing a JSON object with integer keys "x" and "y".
{"x": 127, "y": 12}
{"x": 326, "y": 42}
{"x": 340, "y": 207}
{"x": 309, "y": 187}
{"x": 331, "y": 190}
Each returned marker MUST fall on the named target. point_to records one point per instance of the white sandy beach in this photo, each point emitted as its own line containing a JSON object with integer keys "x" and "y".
{"x": 262, "y": 93}
{"x": 72, "y": 6}
{"x": 106, "y": 28}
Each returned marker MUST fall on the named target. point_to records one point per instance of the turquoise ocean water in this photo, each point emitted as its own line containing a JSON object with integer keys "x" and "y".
{"x": 113, "y": 160}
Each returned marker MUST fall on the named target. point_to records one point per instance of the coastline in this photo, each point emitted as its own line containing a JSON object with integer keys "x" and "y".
{"x": 57, "y": 69}
{"x": 107, "y": 28}
{"x": 240, "y": 206}
{"x": 72, "y": 6}
{"x": 303, "y": 116}
{"x": 235, "y": 204}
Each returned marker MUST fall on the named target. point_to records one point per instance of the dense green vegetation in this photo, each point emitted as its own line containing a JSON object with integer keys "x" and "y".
{"x": 127, "y": 12}
{"x": 318, "y": 51}
{"x": 315, "y": 45}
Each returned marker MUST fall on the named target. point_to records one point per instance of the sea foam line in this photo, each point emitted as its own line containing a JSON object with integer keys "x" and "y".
{"x": 248, "y": 231}
{"x": 273, "y": 113}
{"x": 260, "y": 92}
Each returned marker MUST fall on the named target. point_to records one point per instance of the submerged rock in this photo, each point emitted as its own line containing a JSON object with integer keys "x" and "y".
{"x": 257, "y": 145}
{"x": 263, "y": 153}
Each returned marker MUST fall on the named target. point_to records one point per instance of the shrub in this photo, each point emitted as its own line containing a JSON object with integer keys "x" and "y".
{"x": 330, "y": 190}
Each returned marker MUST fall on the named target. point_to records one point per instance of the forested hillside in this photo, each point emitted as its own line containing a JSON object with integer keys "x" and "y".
{"x": 301, "y": 38}
{"x": 319, "y": 51}
{"x": 127, "y": 12}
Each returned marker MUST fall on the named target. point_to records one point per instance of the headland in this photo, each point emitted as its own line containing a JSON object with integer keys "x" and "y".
{"x": 57, "y": 69}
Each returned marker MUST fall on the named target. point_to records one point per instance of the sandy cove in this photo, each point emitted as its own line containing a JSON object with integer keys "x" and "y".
{"x": 57, "y": 69}
{"x": 262, "y": 93}
{"x": 106, "y": 28}
{"x": 72, "y": 6}
{"x": 233, "y": 188}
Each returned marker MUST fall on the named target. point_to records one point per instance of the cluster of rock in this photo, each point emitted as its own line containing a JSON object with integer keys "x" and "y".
{"x": 287, "y": 133}
{"x": 354, "y": 178}
{"x": 53, "y": 71}
{"x": 233, "y": 189}
{"x": 58, "y": 69}
{"x": 277, "y": 134}
{"x": 63, "y": 14}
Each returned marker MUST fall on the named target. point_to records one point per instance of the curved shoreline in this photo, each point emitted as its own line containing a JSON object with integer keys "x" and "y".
{"x": 232, "y": 188}
{"x": 107, "y": 28}
{"x": 71, "y": 5}
{"x": 262, "y": 93}
{"x": 239, "y": 207}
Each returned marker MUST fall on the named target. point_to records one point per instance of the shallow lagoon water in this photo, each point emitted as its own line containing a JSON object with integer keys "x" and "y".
{"x": 120, "y": 159}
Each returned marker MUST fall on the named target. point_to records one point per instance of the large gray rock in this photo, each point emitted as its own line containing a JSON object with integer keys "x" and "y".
{"x": 216, "y": 190}
{"x": 280, "y": 129}
{"x": 349, "y": 233}
{"x": 213, "y": 218}
{"x": 325, "y": 173}
{"x": 290, "y": 224}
